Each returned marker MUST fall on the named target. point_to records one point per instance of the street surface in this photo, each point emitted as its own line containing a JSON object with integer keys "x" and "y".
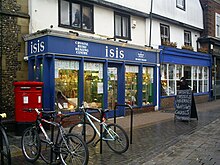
{"x": 160, "y": 141}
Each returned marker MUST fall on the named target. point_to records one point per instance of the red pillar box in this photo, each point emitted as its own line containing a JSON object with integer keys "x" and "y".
{"x": 28, "y": 95}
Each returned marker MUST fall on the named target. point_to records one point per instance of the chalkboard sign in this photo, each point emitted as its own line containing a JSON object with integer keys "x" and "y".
{"x": 185, "y": 105}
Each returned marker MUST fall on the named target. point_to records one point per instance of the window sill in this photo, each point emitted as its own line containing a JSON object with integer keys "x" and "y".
{"x": 77, "y": 29}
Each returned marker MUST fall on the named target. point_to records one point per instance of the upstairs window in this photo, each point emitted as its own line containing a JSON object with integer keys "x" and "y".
{"x": 164, "y": 34}
{"x": 180, "y": 4}
{"x": 187, "y": 38}
{"x": 122, "y": 26}
{"x": 217, "y": 26}
{"x": 73, "y": 14}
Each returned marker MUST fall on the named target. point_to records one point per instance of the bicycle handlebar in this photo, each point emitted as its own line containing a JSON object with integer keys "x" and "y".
{"x": 96, "y": 109}
{"x": 39, "y": 111}
{"x": 3, "y": 115}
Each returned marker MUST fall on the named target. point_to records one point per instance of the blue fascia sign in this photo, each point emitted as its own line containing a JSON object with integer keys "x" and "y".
{"x": 72, "y": 47}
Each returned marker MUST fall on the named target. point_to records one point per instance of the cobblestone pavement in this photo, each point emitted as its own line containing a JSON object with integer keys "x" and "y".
{"x": 157, "y": 139}
{"x": 200, "y": 148}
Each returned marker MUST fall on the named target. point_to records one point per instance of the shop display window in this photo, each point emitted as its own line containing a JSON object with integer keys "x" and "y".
{"x": 188, "y": 74}
{"x": 196, "y": 76}
{"x": 93, "y": 84}
{"x": 168, "y": 80}
{"x": 147, "y": 89}
{"x": 131, "y": 84}
{"x": 66, "y": 84}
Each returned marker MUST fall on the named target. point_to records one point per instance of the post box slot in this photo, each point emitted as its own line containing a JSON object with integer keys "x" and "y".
{"x": 38, "y": 88}
{"x": 25, "y": 88}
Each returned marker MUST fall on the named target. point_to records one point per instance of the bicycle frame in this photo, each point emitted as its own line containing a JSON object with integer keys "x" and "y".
{"x": 61, "y": 131}
{"x": 89, "y": 116}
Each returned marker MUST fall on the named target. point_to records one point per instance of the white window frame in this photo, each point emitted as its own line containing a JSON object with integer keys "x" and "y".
{"x": 217, "y": 25}
{"x": 181, "y": 4}
{"x": 164, "y": 38}
{"x": 188, "y": 41}
{"x": 196, "y": 78}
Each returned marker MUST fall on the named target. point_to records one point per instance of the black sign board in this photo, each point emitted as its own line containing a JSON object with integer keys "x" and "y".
{"x": 185, "y": 105}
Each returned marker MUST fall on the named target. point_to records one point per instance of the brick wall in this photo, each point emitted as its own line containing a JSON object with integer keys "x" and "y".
{"x": 210, "y": 7}
{"x": 168, "y": 102}
{"x": 14, "y": 21}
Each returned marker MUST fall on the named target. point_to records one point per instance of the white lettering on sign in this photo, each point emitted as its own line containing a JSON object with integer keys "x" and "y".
{"x": 114, "y": 53}
{"x": 81, "y": 48}
{"x": 37, "y": 47}
{"x": 140, "y": 56}
{"x": 25, "y": 99}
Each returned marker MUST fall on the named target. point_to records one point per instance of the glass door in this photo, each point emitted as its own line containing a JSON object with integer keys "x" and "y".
{"x": 112, "y": 87}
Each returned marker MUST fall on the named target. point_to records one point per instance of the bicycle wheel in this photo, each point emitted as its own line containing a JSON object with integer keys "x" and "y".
{"x": 73, "y": 150}
{"x": 78, "y": 129}
{"x": 31, "y": 145}
{"x": 116, "y": 138}
{"x": 4, "y": 148}
{"x": 45, "y": 153}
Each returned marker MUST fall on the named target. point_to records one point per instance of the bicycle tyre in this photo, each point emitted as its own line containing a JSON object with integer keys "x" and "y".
{"x": 78, "y": 129}
{"x": 121, "y": 142}
{"x": 5, "y": 148}
{"x": 74, "y": 150}
{"x": 31, "y": 144}
{"x": 45, "y": 153}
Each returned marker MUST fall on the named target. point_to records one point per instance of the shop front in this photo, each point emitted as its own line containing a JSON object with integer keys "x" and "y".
{"x": 194, "y": 66}
{"x": 100, "y": 73}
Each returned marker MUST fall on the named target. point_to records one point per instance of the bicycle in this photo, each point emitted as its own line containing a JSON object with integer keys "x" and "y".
{"x": 113, "y": 134}
{"x": 68, "y": 148}
{"x": 4, "y": 144}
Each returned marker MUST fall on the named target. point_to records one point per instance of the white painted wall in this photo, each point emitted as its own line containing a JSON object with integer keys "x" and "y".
{"x": 140, "y": 5}
{"x": 192, "y": 15}
{"x": 44, "y": 13}
{"x": 103, "y": 21}
{"x": 176, "y": 35}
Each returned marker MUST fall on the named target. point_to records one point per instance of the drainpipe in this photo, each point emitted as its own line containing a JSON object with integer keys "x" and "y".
{"x": 151, "y": 8}
{"x": 1, "y": 53}
{"x": 157, "y": 107}
{"x": 215, "y": 65}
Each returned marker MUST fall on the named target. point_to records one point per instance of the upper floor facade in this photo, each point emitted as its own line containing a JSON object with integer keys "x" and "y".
{"x": 140, "y": 22}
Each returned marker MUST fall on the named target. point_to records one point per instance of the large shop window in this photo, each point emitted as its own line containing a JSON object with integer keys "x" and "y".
{"x": 131, "y": 84}
{"x": 76, "y": 15}
{"x": 66, "y": 84}
{"x": 147, "y": 89}
{"x": 196, "y": 76}
{"x": 93, "y": 84}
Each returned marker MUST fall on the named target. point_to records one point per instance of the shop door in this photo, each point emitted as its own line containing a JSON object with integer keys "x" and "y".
{"x": 112, "y": 87}
{"x": 114, "y": 90}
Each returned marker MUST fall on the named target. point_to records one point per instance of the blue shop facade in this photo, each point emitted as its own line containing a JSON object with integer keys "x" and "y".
{"x": 100, "y": 73}
{"x": 103, "y": 73}
{"x": 196, "y": 67}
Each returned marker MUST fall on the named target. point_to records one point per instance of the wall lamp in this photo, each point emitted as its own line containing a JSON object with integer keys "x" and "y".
{"x": 149, "y": 47}
{"x": 113, "y": 38}
{"x": 123, "y": 41}
{"x": 75, "y": 33}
